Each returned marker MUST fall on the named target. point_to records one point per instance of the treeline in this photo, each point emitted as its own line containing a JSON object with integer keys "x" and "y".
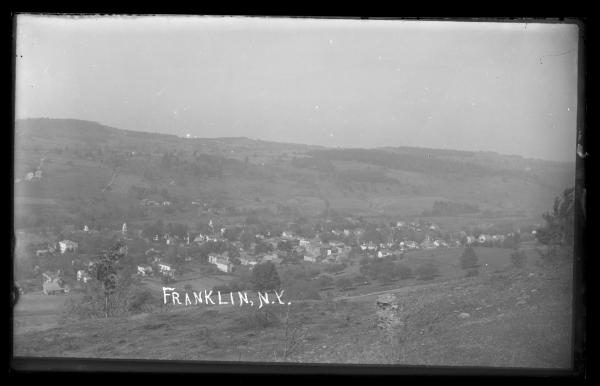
{"x": 449, "y": 208}
{"x": 408, "y": 162}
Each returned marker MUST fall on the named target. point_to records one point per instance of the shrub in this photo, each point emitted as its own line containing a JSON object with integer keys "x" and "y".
{"x": 468, "y": 259}
{"x": 518, "y": 258}
{"x": 141, "y": 299}
{"x": 426, "y": 271}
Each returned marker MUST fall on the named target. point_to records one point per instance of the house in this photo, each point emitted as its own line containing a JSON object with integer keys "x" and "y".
{"x": 383, "y": 253}
{"x": 67, "y": 245}
{"x": 53, "y": 283}
{"x": 248, "y": 261}
{"x": 483, "y": 238}
{"x": 83, "y": 275}
{"x": 29, "y": 176}
{"x": 304, "y": 243}
{"x": 144, "y": 270}
{"x": 166, "y": 269}
{"x": 221, "y": 262}
{"x": 412, "y": 244}
{"x": 470, "y": 239}
{"x": 287, "y": 235}
{"x": 440, "y": 243}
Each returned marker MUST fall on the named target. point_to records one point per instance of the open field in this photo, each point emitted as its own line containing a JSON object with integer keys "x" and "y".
{"x": 516, "y": 319}
{"x": 36, "y": 311}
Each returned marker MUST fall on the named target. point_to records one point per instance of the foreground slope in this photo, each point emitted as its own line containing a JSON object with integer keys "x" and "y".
{"x": 516, "y": 318}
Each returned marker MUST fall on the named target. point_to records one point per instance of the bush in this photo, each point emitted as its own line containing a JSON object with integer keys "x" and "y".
{"x": 427, "y": 271}
{"x": 468, "y": 259}
{"x": 141, "y": 299}
{"x": 518, "y": 258}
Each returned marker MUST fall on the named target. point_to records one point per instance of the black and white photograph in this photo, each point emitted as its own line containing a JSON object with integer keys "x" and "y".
{"x": 296, "y": 190}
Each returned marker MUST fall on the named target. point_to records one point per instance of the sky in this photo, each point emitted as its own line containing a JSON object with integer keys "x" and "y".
{"x": 510, "y": 88}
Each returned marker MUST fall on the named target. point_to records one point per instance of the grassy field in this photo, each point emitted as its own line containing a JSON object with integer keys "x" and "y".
{"x": 36, "y": 311}
{"x": 517, "y": 318}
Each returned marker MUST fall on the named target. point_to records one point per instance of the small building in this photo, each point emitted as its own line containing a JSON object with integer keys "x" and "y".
{"x": 166, "y": 269}
{"x": 83, "y": 275}
{"x": 53, "y": 283}
{"x": 221, "y": 262}
{"x": 67, "y": 246}
{"x": 144, "y": 270}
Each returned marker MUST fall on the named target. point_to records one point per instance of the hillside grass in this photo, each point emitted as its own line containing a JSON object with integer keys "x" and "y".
{"x": 517, "y": 318}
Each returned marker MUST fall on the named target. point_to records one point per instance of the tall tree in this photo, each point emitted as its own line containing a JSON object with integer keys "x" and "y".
{"x": 105, "y": 270}
{"x": 559, "y": 228}
{"x": 265, "y": 277}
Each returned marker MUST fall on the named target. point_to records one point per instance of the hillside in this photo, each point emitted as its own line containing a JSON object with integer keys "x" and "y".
{"x": 504, "y": 318}
{"x": 90, "y": 172}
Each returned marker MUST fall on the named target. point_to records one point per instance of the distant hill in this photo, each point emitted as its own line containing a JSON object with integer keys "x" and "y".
{"x": 87, "y": 164}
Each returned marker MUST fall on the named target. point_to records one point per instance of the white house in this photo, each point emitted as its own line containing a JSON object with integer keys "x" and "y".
{"x": 221, "y": 262}
{"x": 304, "y": 243}
{"x": 248, "y": 261}
{"x": 166, "y": 269}
{"x": 67, "y": 245}
{"x": 83, "y": 276}
{"x": 144, "y": 270}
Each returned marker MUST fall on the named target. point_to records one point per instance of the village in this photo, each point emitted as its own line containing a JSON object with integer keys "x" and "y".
{"x": 226, "y": 250}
